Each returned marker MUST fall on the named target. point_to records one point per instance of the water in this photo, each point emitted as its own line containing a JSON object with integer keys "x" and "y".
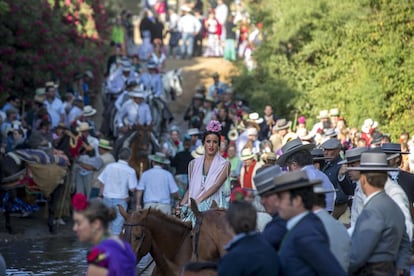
{"x": 54, "y": 256}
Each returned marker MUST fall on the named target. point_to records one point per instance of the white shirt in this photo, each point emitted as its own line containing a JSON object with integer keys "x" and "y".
{"x": 54, "y": 107}
{"x": 189, "y": 24}
{"x": 117, "y": 179}
{"x": 74, "y": 114}
{"x": 153, "y": 83}
{"x": 144, "y": 114}
{"x": 158, "y": 185}
{"x": 221, "y": 13}
{"x": 129, "y": 111}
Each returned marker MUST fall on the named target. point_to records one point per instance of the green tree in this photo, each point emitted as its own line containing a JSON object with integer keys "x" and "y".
{"x": 354, "y": 55}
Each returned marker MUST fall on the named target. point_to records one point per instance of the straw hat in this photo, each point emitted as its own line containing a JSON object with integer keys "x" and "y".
{"x": 282, "y": 124}
{"x": 323, "y": 114}
{"x": 136, "y": 93}
{"x": 105, "y": 144}
{"x": 334, "y": 112}
{"x": 255, "y": 117}
{"x": 88, "y": 111}
{"x": 84, "y": 126}
{"x": 247, "y": 154}
{"x": 159, "y": 157}
{"x": 198, "y": 152}
{"x": 193, "y": 131}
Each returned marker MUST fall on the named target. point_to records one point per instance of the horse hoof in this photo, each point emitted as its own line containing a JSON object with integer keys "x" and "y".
{"x": 52, "y": 229}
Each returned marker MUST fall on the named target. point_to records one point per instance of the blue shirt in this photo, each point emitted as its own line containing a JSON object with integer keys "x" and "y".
{"x": 158, "y": 185}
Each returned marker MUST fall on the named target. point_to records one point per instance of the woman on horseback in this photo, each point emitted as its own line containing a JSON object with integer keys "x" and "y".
{"x": 109, "y": 254}
{"x": 208, "y": 174}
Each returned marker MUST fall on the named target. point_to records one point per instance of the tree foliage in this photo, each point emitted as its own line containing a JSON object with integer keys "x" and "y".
{"x": 45, "y": 39}
{"x": 355, "y": 55}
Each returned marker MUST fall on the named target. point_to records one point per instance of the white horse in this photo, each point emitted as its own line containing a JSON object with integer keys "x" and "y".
{"x": 172, "y": 81}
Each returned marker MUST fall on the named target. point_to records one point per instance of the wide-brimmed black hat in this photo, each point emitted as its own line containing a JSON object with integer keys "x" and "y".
{"x": 291, "y": 147}
{"x": 317, "y": 154}
{"x": 293, "y": 180}
{"x": 353, "y": 155}
{"x": 373, "y": 161}
{"x": 331, "y": 144}
{"x": 392, "y": 148}
{"x": 264, "y": 179}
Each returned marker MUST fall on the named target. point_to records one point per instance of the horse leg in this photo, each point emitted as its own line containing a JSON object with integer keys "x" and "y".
{"x": 7, "y": 204}
{"x": 51, "y": 207}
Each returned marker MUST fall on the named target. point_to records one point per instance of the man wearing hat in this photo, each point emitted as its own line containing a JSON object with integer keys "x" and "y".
{"x": 305, "y": 248}
{"x": 157, "y": 185}
{"x": 189, "y": 26}
{"x": 117, "y": 179}
{"x": 193, "y": 113}
{"x": 152, "y": 80}
{"x": 105, "y": 153}
{"x": 338, "y": 177}
{"x": 391, "y": 188}
{"x": 123, "y": 97}
{"x": 380, "y": 245}
{"x": 248, "y": 171}
{"x": 134, "y": 112}
{"x": 119, "y": 80}
{"x": 297, "y": 157}
{"x": 76, "y": 112}
{"x": 279, "y": 131}
{"x": 403, "y": 178}
{"x": 217, "y": 87}
{"x": 274, "y": 230}
{"x": 194, "y": 135}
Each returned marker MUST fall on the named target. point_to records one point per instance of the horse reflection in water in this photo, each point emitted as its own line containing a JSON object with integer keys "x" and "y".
{"x": 173, "y": 243}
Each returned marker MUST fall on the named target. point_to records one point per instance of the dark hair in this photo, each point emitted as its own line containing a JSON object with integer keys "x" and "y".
{"x": 319, "y": 200}
{"x": 12, "y": 98}
{"x": 242, "y": 217}
{"x": 376, "y": 179}
{"x": 302, "y": 158}
{"x": 206, "y": 133}
{"x": 307, "y": 195}
{"x": 124, "y": 154}
{"x": 97, "y": 210}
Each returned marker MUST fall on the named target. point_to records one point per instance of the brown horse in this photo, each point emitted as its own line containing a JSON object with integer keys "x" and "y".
{"x": 210, "y": 233}
{"x": 167, "y": 239}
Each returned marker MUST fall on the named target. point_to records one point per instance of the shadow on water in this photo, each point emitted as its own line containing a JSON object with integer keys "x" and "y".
{"x": 55, "y": 256}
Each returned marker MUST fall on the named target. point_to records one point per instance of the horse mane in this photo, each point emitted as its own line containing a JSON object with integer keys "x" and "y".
{"x": 157, "y": 213}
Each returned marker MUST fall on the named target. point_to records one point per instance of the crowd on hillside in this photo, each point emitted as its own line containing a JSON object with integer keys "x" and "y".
{"x": 220, "y": 31}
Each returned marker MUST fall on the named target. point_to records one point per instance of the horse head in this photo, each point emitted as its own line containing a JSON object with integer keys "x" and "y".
{"x": 173, "y": 84}
{"x": 210, "y": 233}
{"x": 135, "y": 233}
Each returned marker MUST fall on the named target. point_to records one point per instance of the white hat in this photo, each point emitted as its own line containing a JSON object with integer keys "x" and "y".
{"x": 368, "y": 125}
{"x": 83, "y": 126}
{"x": 88, "y": 111}
{"x": 199, "y": 151}
{"x": 247, "y": 154}
{"x": 137, "y": 93}
{"x": 323, "y": 114}
{"x": 185, "y": 8}
{"x": 193, "y": 131}
{"x": 255, "y": 117}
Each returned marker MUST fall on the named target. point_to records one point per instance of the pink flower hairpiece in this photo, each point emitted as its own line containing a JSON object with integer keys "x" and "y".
{"x": 214, "y": 126}
{"x": 79, "y": 202}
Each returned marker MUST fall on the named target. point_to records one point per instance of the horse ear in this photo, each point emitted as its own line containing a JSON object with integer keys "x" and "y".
{"x": 124, "y": 213}
{"x": 194, "y": 208}
{"x": 214, "y": 204}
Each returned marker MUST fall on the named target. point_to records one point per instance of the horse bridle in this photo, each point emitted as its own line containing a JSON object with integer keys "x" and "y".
{"x": 197, "y": 229}
{"x": 128, "y": 236}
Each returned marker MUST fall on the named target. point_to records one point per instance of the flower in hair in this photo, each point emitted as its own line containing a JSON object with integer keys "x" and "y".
{"x": 79, "y": 202}
{"x": 214, "y": 126}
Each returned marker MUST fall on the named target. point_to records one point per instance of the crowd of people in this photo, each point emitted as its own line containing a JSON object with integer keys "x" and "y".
{"x": 325, "y": 199}
{"x": 226, "y": 31}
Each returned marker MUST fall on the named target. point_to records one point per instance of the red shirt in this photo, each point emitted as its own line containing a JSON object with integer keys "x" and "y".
{"x": 248, "y": 176}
